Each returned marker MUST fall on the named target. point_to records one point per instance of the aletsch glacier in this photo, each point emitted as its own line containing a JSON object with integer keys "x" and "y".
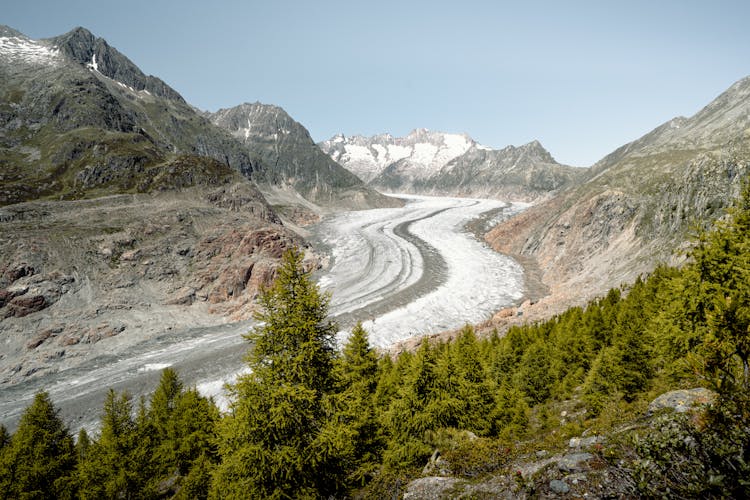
{"x": 415, "y": 270}
{"x": 402, "y": 271}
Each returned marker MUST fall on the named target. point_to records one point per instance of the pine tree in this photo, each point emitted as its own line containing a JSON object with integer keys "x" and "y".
{"x": 720, "y": 286}
{"x": 39, "y": 461}
{"x": 474, "y": 386}
{"x": 533, "y": 376}
{"x": 279, "y": 439}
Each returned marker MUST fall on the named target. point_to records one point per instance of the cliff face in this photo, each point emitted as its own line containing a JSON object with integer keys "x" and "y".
{"x": 637, "y": 206}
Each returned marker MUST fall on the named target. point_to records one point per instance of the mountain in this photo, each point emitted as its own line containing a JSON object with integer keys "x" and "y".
{"x": 293, "y": 160}
{"x": 427, "y": 162}
{"x": 78, "y": 119}
{"x": 124, "y": 213}
{"x": 425, "y": 152}
{"x": 639, "y": 204}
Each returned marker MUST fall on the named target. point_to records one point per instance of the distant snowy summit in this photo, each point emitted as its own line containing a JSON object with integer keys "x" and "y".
{"x": 428, "y": 162}
{"x": 422, "y": 152}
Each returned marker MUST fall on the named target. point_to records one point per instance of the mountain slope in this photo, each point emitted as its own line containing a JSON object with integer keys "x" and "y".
{"x": 124, "y": 214}
{"x": 74, "y": 125}
{"x": 428, "y": 162}
{"x": 637, "y": 205}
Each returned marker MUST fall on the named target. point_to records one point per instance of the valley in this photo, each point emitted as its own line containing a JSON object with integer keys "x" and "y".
{"x": 402, "y": 271}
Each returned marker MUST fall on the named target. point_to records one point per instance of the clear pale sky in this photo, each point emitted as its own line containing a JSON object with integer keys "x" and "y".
{"x": 582, "y": 77}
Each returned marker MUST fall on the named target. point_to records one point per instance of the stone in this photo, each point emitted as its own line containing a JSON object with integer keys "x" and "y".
{"x": 130, "y": 255}
{"x": 18, "y": 271}
{"x": 559, "y": 487}
{"x": 185, "y": 296}
{"x": 508, "y": 312}
{"x": 25, "y": 305}
{"x": 585, "y": 442}
{"x": 574, "y": 462}
{"x": 682, "y": 400}
{"x": 39, "y": 339}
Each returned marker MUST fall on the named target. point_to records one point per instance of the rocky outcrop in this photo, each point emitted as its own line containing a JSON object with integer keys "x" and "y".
{"x": 578, "y": 474}
{"x": 682, "y": 400}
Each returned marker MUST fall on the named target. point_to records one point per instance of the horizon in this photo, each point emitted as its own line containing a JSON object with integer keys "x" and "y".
{"x": 502, "y": 73}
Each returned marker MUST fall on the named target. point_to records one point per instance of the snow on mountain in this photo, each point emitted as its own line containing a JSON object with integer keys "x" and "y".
{"x": 437, "y": 163}
{"x": 426, "y": 152}
{"x": 18, "y": 49}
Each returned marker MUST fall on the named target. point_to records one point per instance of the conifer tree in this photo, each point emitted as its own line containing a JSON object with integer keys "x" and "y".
{"x": 279, "y": 439}
{"x": 411, "y": 413}
{"x": 164, "y": 402}
{"x": 4, "y": 437}
{"x": 720, "y": 287}
{"x": 83, "y": 444}
{"x": 112, "y": 467}
{"x": 510, "y": 417}
{"x": 474, "y": 386}
{"x": 39, "y": 461}
{"x": 357, "y": 374}
{"x": 533, "y": 375}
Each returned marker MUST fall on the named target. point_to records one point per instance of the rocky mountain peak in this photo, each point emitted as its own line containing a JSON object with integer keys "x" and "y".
{"x": 535, "y": 150}
{"x": 94, "y": 53}
{"x": 258, "y": 122}
{"x": 282, "y": 142}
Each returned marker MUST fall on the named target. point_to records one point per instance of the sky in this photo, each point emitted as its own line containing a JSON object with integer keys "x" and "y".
{"x": 582, "y": 77}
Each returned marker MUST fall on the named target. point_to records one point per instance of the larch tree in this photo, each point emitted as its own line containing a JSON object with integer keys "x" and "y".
{"x": 39, "y": 461}
{"x": 357, "y": 374}
{"x": 279, "y": 439}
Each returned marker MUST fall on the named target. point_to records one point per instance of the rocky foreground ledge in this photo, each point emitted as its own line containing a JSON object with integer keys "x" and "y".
{"x": 590, "y": 466}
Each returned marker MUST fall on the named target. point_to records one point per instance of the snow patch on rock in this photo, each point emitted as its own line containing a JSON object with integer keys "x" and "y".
{"x": 16, "y": 49}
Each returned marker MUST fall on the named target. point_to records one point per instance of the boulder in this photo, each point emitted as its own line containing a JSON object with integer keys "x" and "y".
{"x": 131, "y": 255}
{"x": 508, "y": 312}
{"x": 559, "y": 487}
{"x": 681, "y": 400}
{"x": 25, "y": 305}
{"x": 585, "y": 442}
{"x": 17, "y": 272}
{"x": 185, "y": 296}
